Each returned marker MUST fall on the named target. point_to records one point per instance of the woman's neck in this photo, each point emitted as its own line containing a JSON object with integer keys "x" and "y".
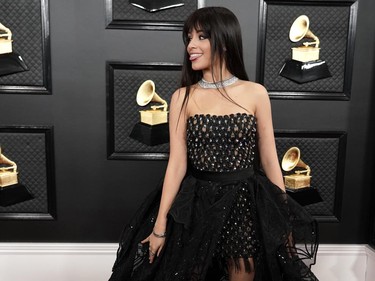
{"x": 225, "y": 74}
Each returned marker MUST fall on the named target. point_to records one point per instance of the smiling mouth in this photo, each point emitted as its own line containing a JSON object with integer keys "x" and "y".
{"x": 194, "y": 56}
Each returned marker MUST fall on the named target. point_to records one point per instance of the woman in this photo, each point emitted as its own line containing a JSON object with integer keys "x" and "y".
{"x": 217, "y": 217}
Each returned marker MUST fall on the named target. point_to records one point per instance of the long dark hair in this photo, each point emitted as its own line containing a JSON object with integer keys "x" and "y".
{"x": 223, "y": 30}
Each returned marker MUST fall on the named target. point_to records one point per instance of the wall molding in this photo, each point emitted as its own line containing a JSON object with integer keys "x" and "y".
{"x": 370, "y": 271}
{"x": 93, "y": 261}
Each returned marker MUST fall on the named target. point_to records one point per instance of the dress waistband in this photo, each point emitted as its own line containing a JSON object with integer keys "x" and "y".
{"x": 222, "y": 176}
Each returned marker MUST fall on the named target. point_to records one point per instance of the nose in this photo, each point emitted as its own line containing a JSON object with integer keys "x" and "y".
{"x": 191, "y": 46}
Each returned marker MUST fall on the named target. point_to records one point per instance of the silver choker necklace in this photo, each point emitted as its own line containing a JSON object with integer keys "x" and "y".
{"x": 214, "y": 85}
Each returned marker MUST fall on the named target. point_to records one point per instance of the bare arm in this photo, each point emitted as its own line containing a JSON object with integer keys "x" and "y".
{"x": 177, "y": 163}
{"x": 176, "y": 170}
{"x": 266, "y": 139}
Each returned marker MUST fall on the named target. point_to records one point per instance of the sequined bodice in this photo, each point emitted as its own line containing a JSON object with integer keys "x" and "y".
{"x": 221, "y": 143}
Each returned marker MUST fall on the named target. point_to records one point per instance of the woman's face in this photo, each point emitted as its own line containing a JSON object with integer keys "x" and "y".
{"x": 199, "y": 50}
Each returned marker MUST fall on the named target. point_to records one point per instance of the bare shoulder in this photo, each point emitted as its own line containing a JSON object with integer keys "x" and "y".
{"x": 255, "y": 91}
{"x": 177, "y": 102}
{"x": 178, "y": 96}
{"x": 256, "y": 95}
{"x": 180, "y": 92}
{"x": 254, "y": 88}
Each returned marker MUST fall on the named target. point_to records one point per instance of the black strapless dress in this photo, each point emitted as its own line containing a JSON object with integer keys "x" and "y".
{"x": 225, "y": 212}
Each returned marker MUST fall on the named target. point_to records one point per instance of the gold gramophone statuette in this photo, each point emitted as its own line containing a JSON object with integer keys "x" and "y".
{"x": 298, "y": 31}
{"x": 300, "y": 178}
{"x": 5, "y": 40}
{"x": 8, "y": 171}
{"x": 305, "y": 65}
{"x": 158, "y": 114}
{"x": 10, "y": 61}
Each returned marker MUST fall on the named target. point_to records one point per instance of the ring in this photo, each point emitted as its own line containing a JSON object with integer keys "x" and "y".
{"x": 152, "y": 254}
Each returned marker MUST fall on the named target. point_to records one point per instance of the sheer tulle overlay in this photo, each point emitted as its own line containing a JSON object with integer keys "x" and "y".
{"x": 225, "y": 213}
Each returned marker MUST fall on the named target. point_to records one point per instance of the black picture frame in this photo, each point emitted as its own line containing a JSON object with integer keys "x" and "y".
{"x": 29, "y": 23}
{"x": 31, "y": 147}
{"x": 334, "y": 22}
{"x": 325, "y": 153}
{"x": 120, "y": 14}
{"x": 123, "y": 81}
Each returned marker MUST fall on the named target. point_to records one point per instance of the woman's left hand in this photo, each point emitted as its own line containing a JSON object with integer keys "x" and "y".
{"x": 156, "y": 244}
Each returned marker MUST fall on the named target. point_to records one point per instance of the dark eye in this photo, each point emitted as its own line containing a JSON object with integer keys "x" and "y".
{"x": 203, "y": 36}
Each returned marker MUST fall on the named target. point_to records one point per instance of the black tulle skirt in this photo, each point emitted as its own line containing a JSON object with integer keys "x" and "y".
{"x": 219, "y": 219}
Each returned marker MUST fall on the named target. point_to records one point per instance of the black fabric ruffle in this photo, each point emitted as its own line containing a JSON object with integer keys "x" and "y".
{"x": 287, "y": 233}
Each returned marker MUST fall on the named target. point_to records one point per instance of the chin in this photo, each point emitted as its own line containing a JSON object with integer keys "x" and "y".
{"x": 198, "y": 67}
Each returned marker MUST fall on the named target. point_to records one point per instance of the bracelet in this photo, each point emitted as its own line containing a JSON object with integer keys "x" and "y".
{"x": 163, "y": 235}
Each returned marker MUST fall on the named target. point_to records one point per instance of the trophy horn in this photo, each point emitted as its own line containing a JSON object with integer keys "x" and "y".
{"x": 10, "y": 165}
{"x": 11, "y": 191}
{"x": 5, "y": 43}
{"x": 300, "y": 29}
{"x": 292, "y": 159}
{"x": 146, "y": 94}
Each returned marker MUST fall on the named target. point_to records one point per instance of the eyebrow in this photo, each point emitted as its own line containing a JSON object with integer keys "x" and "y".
{"x": 200, "y": 30}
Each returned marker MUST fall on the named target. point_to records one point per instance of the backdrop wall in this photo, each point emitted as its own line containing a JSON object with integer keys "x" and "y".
{"x": 95, "y": 196}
